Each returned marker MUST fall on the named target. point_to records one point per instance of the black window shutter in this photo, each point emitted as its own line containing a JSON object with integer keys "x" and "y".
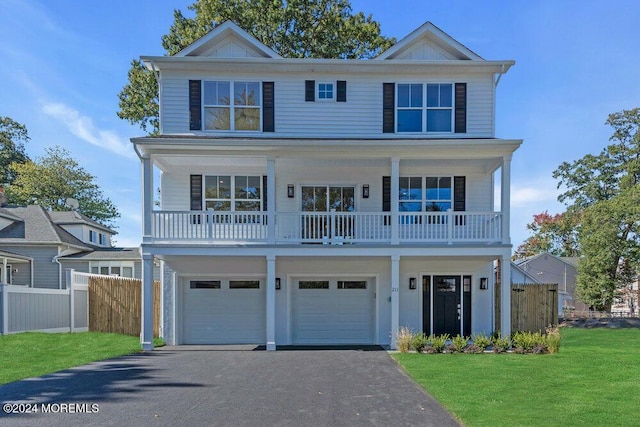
{"x": 195, "y": 105}
{"x": 268, "y": 110}
{"x": 459, "y": 190}
{"x": 388, "y": 107}
{"x": 386, "y": 194}
{"x": 461, "y": 108}
{"x": 196, "y": 192}
{"x": 264, "y": 192}
{"x": 386, "y": 198}
{"x": 310, "y": 90}
{"x": 341, "y": 92}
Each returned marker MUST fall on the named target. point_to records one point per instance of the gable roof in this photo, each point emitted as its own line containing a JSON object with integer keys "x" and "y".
{"x": 35, "y": 226}
{"x": 524, "y": 273}
{"x": 76, "y": 218}
{"x": 121, "y": 254}
{"x": 429, "y": 34}
{"x": 570, "y": 261}
{"x": 227, "y": 30}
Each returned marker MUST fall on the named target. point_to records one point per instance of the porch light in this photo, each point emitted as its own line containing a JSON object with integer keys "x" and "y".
{"x": 412, "y": 283}
{"x": 277, "y": 284}
{"x": 365, "y": 191}
{"x": 291, "y": 191}
{"x": 484, "y": 283}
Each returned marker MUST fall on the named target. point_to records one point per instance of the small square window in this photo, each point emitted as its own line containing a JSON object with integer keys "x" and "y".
{"x": 325, "y": 91}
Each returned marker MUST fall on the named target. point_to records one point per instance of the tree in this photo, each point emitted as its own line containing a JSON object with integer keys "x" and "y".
{"x": 606, "y": 189}
{"x": 293, "y": 28}
{"x": 52, "y": 179}
{"x": 13, "y": 136}
{"x": 554, "y": 234}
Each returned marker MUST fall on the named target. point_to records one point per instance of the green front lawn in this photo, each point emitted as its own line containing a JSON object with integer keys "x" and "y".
{"x": 594, "y": 380}
{"x": 32, "y": 354}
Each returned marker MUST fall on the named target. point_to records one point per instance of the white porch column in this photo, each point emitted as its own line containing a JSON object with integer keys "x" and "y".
{"x": 271, "y": 302}
{"x": 3, "y": 274}
{"x": 146, "y": 335}
{"x": 505, "y": 199}
{"x": 395, "y": 185}
{"x": 147, "y": 196}
{"x": 395, "y": 299}
{"x": 505, "y": 295}
{"x": 271, "y": 200}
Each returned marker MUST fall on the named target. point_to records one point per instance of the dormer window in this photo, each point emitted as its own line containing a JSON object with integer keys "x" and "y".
{"x": 92, "y": 236}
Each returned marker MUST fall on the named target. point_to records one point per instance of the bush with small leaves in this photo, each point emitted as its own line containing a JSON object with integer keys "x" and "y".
{"x": 553, "y": 339}
{"x": 458, "y": 343}
{"x": 481, "y": 341}
{"x": 419, "y": 342}
{"x": 438, "y": 342}
{"x": 501, "y": 344}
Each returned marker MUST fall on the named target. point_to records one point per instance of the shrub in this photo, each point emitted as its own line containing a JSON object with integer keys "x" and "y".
{"x": 501, "y": 344}
{"x": 403, "y": 339}
{"x": 553, "y": 339}
{"x": 458, "y": 344}
{"x": 481, "y": 341}
{"x": 419, "y": 342}
{"x": 438, "y": 342}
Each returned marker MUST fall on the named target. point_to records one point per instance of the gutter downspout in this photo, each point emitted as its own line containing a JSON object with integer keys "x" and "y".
{"x": 57, "y": 260}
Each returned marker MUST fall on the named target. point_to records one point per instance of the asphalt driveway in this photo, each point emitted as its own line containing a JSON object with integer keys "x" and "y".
{"x": 218, "y": 386}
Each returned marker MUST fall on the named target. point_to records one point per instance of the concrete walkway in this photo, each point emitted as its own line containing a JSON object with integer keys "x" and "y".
{"x": 222, "y": 386}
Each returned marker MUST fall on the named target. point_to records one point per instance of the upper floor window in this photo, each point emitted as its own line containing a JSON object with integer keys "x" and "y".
{"x": 425, "y": 194}
{"x": 233, "y": 193}
{"x": 424, "y": 107}
{"x": 325, "y": 91}
{"x": 230, "y": 105}
{"x": 92, "y": 236}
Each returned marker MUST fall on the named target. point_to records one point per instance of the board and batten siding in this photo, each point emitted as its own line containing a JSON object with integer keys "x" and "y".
{"x": 360, "y": 116}
{"x": 46, "y": 272}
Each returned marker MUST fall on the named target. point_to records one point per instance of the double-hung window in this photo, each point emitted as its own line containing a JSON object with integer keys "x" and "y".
{"x": 425, "y": 194}
{"x": 233, "y": 193}
{"x": 424, "y": 107}
{"x": 232, "y": 105}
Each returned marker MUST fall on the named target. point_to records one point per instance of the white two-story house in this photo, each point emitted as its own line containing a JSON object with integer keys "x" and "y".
{"x": 325, "y": 201}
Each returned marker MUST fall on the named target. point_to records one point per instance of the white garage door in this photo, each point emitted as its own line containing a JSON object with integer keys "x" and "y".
{"x": 332, "y": 311}
{"x": 224, "y": 312}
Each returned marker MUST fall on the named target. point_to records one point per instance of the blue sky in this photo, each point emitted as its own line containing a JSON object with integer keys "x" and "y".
{"x": 63, "y": 62}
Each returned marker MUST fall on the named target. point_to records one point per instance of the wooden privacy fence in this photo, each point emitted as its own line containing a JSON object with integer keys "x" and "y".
{"x": 115, "y": 305}
{"x": 534, "y": 306}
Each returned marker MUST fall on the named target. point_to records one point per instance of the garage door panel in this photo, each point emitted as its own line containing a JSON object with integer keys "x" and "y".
{"x": 332, "y": 315}
{"x": 224, "y": 316}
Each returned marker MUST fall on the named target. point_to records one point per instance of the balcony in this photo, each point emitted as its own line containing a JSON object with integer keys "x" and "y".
{"x": 330, "y": 228}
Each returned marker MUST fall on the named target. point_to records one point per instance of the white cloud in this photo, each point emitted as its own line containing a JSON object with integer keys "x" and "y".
{"x": 83, "y": 127}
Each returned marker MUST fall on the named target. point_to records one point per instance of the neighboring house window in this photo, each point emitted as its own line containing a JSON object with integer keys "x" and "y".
{"x": 92, "y": 236}
{"x": 425, "y": 194}
{"x": 233, "y": 106}
{"x": 233, "y": 193}
{"x": 102, "y": 238}
{"x": 325, "y": 91}
{"x": 122, "y": 269}
{"x": 424, "y": 107}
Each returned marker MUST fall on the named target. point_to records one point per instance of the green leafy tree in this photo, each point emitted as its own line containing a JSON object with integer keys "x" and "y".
{"x": 51, "y": 180}
{"x": 293, "y": 28}
{"x": 13, "y": 136}
{"x": 605, "y": 188}
{"x": 555, "y": 234}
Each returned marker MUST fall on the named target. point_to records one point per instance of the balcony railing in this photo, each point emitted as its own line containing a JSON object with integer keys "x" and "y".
{"x": 335, "y": 228}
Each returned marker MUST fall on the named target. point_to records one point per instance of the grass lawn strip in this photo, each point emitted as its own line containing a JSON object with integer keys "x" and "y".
{"x": 593, "y": 380}
{"x": 33, "y": 354}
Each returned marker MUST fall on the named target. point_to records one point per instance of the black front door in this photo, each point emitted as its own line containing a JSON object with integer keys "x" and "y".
{"x": 446, "y": 305}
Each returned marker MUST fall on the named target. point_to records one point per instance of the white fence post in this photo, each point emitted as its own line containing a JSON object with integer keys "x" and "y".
{"x": 4, "y": 309}
{"x": 69, "y": 275}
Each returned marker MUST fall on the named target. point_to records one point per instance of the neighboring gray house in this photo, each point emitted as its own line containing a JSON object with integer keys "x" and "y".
{"x": 549, "y": 268}
{"x": 36, "y": 246}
